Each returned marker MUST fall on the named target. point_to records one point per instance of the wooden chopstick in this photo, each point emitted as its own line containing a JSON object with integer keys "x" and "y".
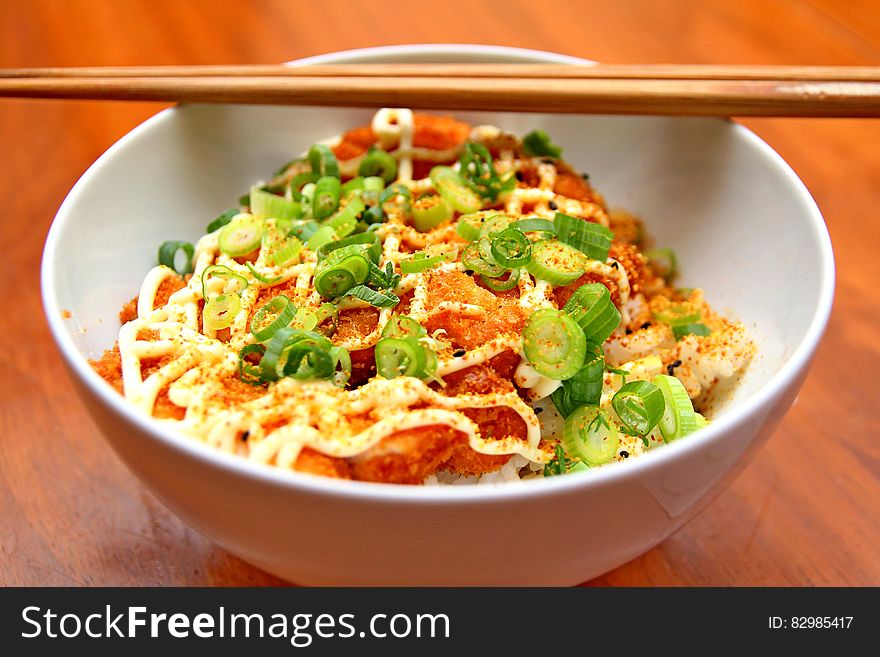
{"x": 594, "y": 71}
{"x": 602, "y": 89}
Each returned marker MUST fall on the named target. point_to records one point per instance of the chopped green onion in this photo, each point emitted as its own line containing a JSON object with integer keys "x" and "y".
{"x": 352, "y": 187}
{"x": 398, "y": 357}
{"x": 586, "y": 236}
{"x": 681, "y": 330}
{"x": 585, "y": 387}
{"x": 323, "y": 161}
{"x": 430, "y": 211}
{"x": 499, "y": 285}
{"x": 678, "y": 419}
{"x": 379, "y": 163}
{"x": 663, "y": 261}
{"x": 478, "y": 172}
{"x": 639, "y": 405}
{"x": 266, "y": 205}
{"x": 511, "y": 248}
{"x": 263, "y": 279}
{"x": 344, "y": 222}
{"x": 469, "y": 225}
{"x": 590, "y": 306}
{"x": 451, "y": 186}
{"x": 232, "y": 283}
{"x": 556, "y": 262}
{"x": 219, "y": 312}
{"x": 369, "y": 242}
{"x": 304, "y": 229}
{"x": 247, "y": 372}
{"x": 590, "y": 435}
{"x": 473, "y": 261}
{"x": 374, "y": 184}
{"x": 168, "y": 255}
{"x": 325, "y": 199}
{"x": 554, "y": 344}
{"x": 392, "y": 193}
{"x": 341, "y": 365}
{"x": 416, "y": 264}
{"x": 378, "y": 299}
{"x": 534, "y": 225}
{"x": 241, "y": 236}
{"x": 287, "y": 254}
{"x": 402, "y": 326}
{"x": 222, "y": 220}
{"x": 299, "y": 181}
{"x": 537, "y": 144}
{"x": 325, "y": 312}
{"x": 320, "y": 237}
{"x": 298, "y": 354}
{"x": 494, "y": 224}
{"x": 305, "y": 319}
{"x": 678, "y": 314}
{"x": 280, "y": 309}
{"x": 336, "y": 276}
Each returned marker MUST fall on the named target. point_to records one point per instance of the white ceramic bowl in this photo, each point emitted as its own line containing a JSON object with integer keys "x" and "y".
{"x": 744, "y": 227}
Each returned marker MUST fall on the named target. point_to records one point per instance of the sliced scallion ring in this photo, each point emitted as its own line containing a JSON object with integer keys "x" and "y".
{"x": 299, "y": 181}
{"x": 538, "y": 144}
{"x": 472, "y": 260}
{"x": 678, "y": 419}
{"x": 266, "y": 205}
{"x": 334, "y": 277}
{"x": 554, "y": 344}
{"x": 219, "y": 312}
{"x": 320, "y": 237}
{"x": 168, "y": 255}
{"x": 402, "y": 326}
{"x": 678, "y": 313}
{"x": 450, "y": 185}
{"x": 222, "y": 219}
{"x": 556, "y": 262}
{"x": 374, "y": 184}
{"x": 591, "y": 307}
{"x": 590, "y": 435}
{"x": 353, "y": 187}
{"x": 323, "y": 161}
{"x": 258, "y": 276}
{"x": 502, "y": 285}
{"x": 478, "y": 172}
{"x": 287, "y": 253}
{"x": 590, "y": 238}
{"x": 430, "y": 211}
{"x": 274, "y": 315}
{"x": 681, "y": 330}
{"x": 379, "y": 163}
{"x": 248, "y": 372}
{"x": 325, "y": 198}
{"x": 399, "y": 357}
{"x": 534, "y": 225}
{"x": 511, "y": 248}
{"x": 232, "y": 283}
{"x": 663, "y": 261}
{"x": 585, "y": 387}
{"x": 398, "y": 195}
{"x": 416, "y": 264}
{"x": 639, "y": 405}
{"x": 241, "y": 236}
{"x": 368, "y": 242}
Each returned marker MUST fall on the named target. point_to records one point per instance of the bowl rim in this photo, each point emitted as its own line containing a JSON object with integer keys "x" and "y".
{"x": 613, "y": 473}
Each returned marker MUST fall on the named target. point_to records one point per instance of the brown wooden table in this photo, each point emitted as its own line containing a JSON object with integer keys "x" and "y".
{"x": 805, "y": 512}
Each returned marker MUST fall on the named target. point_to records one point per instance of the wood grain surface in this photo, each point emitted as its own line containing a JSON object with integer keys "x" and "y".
{"x": 805, "y": 512}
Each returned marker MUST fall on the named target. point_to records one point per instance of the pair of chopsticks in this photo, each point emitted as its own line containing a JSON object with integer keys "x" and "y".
{"x": 599, "y": 89}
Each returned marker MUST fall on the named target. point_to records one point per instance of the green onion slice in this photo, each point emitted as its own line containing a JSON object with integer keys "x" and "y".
{"x": 494, "y": 224}
{"x": 248, "y": 372}
{"x": 232, "y": 283}
{"x": 430, "y": 211}
{"x": 374, "y": 184}
{"x": 336, "y": 276}
{"x": 266, "y": 205}
{"x": 263, "y": 279}
{"x": 537, "y": 144}
{"x": 534, "y": 225}
{"x": 663, "y": 261}
{"x": 586, "y": 236}
{"x": 272, "y": 316}
{"x": 590, "y": 306}
{"x": 554, "y": 344}
{"x": 323, "y": 313}
{"x": 320, "y": 237}
{"x": 299, "y": 181}
{"x": 681, "y": 330}
{"x": 325, "y": 199}
{"x": 678, "y": 314}
{"x": 323, "y": 161}
{"x": 451, "y": 186}
{"x": 420, "y": 262}
{"x": 288, "y": 253}
{"x": 397, "y": 194}
{"x": 168, "y": 255}
{"x": 353, "y": 187}
{"x": 222, "y": 220}
{"x": 474, "y": 261}
{"x": 379, "y": 163}
{"x": 556, "y": 262}
{"x": 219, "y": 312}
{"x": 639, "y": 405}
{"x": 502, "y": 285}
{"x": 399, "y": 357}
{"x": 590, "y": 435}
{"x": 585, "y": 387}
{"x": 369, "y": 243}
{"x": 385, "y": 299}
{"x": 241, "y": 236}
{"x": 402, "y": 326}
{"x": 511, "y": 248}
{"x": 478, "y": 172}
{"x": 678, "y": 419}
{"x": 470, "y": 225}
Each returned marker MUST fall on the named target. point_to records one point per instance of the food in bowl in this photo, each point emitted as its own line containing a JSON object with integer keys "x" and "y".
{"x": 424, "y": 301}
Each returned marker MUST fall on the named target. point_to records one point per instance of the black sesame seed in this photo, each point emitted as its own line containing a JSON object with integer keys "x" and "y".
{"x": 539, "y": 409}
{"x": 519, "y": 176}
{"x": 629, "y": 331}
{"x": 469, "y": 272}
{"x": 245, "y": 436}
{"x": 624, "y": 453}
{"x": 458, "y": 353}
{"x": 646, "y": 325}
{"x": 553, "y": 205}
{"x": 548, "y": 160}
{"x": 614, "y": 264}
{"x": 585, "y": 176}
{"x": 670, "y": 369}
